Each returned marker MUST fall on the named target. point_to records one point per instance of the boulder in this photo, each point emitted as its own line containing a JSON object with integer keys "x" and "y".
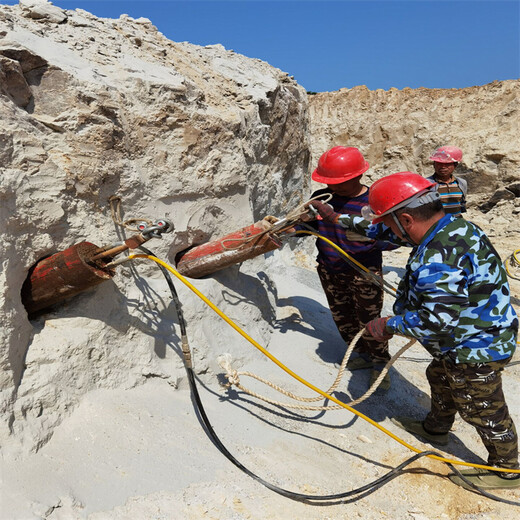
{"x": 93, "y": 108}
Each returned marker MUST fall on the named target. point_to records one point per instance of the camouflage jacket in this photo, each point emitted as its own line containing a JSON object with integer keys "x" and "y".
{"x": 454, "y": 297}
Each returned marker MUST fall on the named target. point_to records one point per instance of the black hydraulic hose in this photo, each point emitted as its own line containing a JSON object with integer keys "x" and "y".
{"x": 365, "y": 490}
{"x": 175, "y": 296}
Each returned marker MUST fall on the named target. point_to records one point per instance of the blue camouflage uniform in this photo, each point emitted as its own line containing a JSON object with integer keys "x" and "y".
{"x": 454, "y": 299}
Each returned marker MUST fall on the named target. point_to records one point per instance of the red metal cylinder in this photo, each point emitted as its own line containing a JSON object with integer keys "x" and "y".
{"x": 231, "y": 249}
{"x": 62, "y": 276}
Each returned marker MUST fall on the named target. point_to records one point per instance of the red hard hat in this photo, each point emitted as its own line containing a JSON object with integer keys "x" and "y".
{"x": 388, "y": 194}
{"x": 340, "y": 164}
{"x": 447, "y": 154}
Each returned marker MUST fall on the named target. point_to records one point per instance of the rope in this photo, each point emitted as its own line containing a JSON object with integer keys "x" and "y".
{"x": 246, "y": 239}
{"x": 302, "y": 208}
{"x": 115, "y": 211}
{"x": 303, "y": 381}
{"x": 362, "y": 491}
{"x": 233, "y": 377}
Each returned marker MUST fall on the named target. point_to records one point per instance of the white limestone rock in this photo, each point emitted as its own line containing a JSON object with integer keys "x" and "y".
{"x": 397, "y": 130}
{"x": 91, "y": 108}
{"x": 42, "y": 10}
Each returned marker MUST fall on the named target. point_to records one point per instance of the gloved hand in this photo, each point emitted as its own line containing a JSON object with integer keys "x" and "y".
{"x": 377, "y": 329}
{"x": 325, "y": 210}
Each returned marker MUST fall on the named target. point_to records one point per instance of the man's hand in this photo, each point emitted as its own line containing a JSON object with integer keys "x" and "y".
{"x": 325, "y": 210}
{"x": 377, "y": 329}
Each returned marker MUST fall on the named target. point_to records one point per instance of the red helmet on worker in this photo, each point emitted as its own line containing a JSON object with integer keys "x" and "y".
{"x": 399, "y": 190}
{"x": 447, "y": 154}
{"x": 340, "y": 164}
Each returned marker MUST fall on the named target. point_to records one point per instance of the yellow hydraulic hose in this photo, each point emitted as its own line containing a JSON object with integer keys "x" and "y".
{"x": 512, "y": 261}
{"x": 363, "y": 268}
{"x": 303, "y": 381}
{"x": 345, "y": 254}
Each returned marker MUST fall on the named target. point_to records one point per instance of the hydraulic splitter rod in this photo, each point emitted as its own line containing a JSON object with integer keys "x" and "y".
{"x": 146, "y": 233}
{"x": 78, "y": 268}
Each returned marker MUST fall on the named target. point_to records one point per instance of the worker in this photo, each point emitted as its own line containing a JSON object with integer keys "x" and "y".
{"x": 352, "y": 299}
{"x": 453, "y": 190}
{"x": 454, "y": 299}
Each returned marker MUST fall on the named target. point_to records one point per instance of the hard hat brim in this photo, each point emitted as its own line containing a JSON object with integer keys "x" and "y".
{"x": 338, "y": 180}
{"x": 442, "y": 160}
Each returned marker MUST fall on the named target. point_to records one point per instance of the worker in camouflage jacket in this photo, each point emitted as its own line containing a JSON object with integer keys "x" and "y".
{"x": 454, "y": 299}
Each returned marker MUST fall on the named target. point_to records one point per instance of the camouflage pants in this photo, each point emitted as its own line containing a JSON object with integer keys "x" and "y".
{"x": 354, "y": 301}
{"x": 475, "y": 391}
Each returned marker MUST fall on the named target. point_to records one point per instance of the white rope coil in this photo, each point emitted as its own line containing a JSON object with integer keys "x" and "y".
{"x": 233, "y": 377}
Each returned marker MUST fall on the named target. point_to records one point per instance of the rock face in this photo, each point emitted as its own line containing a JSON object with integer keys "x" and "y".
{"x": 397, "y": 130}
{"x": 92, "y": 108}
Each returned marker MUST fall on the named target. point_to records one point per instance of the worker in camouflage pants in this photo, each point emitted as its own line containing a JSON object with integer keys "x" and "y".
{"x": 475, "y": 391}
{"x": 352, "y": 309}
{"x": 353, "y": 299}
{"x": 454, "y": 298}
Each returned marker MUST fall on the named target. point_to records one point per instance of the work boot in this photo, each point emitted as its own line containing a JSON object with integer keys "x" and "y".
{"x": 486, "y": 479}
{"x": 384, "y": 385}
{"x": 359, "y": 362}
{"x": 416, "y": 427}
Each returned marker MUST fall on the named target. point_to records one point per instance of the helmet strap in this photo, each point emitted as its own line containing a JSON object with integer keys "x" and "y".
{"x": 401, "y": 228}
